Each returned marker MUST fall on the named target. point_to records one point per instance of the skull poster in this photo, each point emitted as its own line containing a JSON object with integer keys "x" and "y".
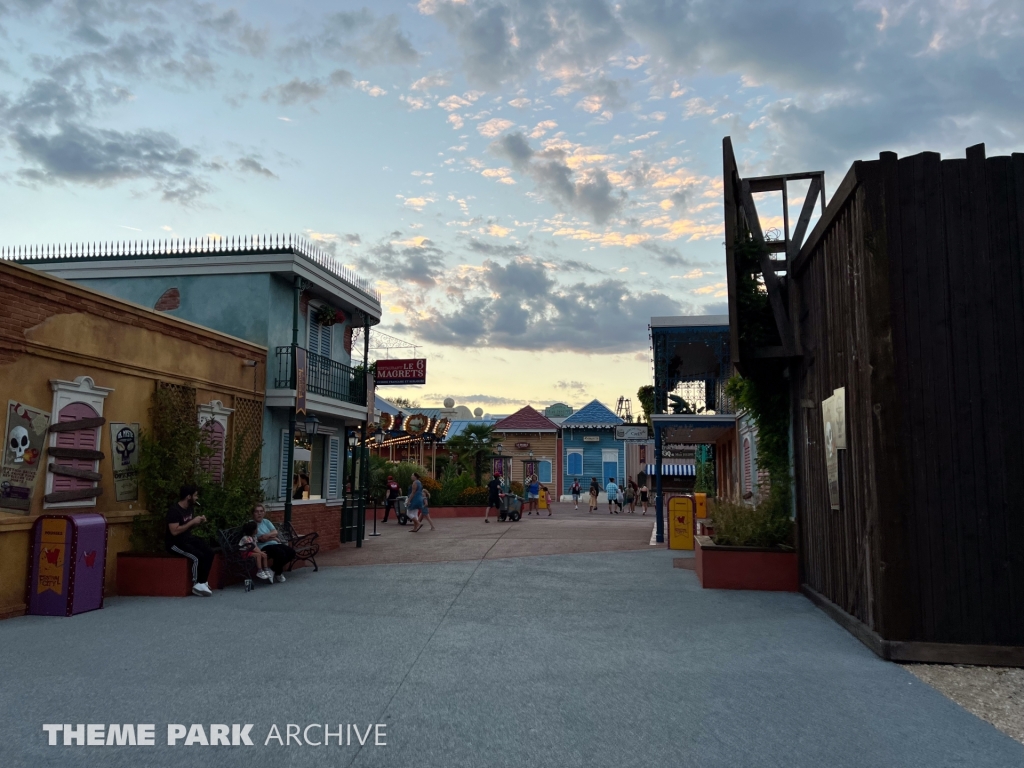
{"x": 24, "y": 441}
{"x": 125, "y": 439}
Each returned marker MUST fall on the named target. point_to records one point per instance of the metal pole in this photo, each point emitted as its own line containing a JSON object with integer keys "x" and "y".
{"x": 659, "y": 502}
{"x": 364, "y": 470}
{"x": 291, "y": 417}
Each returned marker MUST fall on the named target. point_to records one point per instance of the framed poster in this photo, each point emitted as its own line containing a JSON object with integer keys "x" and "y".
{"x": 829, "y": 417}
{"x": 24, "y": 441}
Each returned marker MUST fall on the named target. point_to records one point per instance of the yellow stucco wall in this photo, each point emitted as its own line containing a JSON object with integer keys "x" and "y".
{"x": 543, "y": 444}
{"x": 116, "y": 352}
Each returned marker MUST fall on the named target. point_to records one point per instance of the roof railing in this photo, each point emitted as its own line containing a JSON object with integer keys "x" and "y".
{"x": 199, "y": 246}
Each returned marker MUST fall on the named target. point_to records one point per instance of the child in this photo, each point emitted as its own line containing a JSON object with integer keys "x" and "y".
{"x": 576, "y": 490}
{"x": 248, "y": 547}
{"x": 425, "y": 512}
{"x": 543, "y": 500}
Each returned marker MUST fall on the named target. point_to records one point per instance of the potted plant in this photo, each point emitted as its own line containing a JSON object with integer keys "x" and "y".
{"x": 326, "y": 315}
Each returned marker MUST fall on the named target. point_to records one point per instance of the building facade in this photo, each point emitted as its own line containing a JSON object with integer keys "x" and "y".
{"x": 590, "y": 448}
{"x": 530, "y": 445}
{"x": 282, "y": 293}
{"x": 78, "y": 370}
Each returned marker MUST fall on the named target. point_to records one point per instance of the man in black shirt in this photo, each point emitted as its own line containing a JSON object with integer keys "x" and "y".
{"x": 180, "y": 522}
{"x": 493, "y": 496}
{"x": 389, "y": 498}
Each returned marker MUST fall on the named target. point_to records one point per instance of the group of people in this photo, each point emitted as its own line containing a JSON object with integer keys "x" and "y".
{"x": 627, "y": 495}
{"x": 537, "y": 496}
{"x": 260, "y": 540}
{"x": 417, "y": 502}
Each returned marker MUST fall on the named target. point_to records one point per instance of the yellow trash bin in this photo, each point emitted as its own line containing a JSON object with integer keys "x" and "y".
{"x": 680, "y": 522}
{"x": 702, "y": 505}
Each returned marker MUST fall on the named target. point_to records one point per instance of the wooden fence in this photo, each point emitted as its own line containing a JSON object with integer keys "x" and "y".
{"x": 910, "y": 294}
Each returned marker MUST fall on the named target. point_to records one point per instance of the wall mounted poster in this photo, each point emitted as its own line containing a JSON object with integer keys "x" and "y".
{"x": 125, "y": 439}
{"x": 830, "y": 418}
{"x": 24, "y": 443}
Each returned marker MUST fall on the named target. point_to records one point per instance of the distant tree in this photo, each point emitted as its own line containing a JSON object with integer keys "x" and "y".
{"x": 646, "y": 397}
{"x": 473, "y": 447}
{"x": 404, "y": 403}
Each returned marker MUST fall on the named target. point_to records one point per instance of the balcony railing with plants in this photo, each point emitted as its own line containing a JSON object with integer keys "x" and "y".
{"x": 323, "y": 377}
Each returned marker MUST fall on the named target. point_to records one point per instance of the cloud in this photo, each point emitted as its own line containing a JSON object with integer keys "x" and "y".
{"x": 589, "y": 191}
{"x": 253, "y": 164}
{"x": 491, "y": 249}
{"x": 357, "y": 36}
{"x": 430, "y": 82}
{"x": 519, "y": 305}
{"x": 298, "y": 91}
{"x": 494, "y": 127}
{"x": 102, "y": 157}
{"x": 405, "y": 263}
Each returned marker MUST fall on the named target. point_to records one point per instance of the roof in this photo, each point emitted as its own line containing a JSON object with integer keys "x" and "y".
{"x": 526, "y": 419}
{"x": 458, "y": 427}
{"x": 594, "y": 414}
{"x": 232, "y": 254}
{"x": 683, "y": 321}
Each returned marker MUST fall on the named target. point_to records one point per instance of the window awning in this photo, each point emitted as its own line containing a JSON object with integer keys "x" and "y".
{"x": 674, "y": 470}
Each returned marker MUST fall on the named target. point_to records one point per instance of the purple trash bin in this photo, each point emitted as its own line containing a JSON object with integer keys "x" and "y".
{"x": 68, "y": 562}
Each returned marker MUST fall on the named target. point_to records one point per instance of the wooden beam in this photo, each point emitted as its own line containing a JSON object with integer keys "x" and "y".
{"x": 80, "y": 495}
{"x": 75, "y": 453}
{"x": 84, "y": 474}
{"x": 71, "y": 426}
{"x": 771, "y": 280}
{"x": 805, "y": 218}
{"x": 839, "y": 199}
{"x": 729, "y": 177}
{"x": 15, "y": 503}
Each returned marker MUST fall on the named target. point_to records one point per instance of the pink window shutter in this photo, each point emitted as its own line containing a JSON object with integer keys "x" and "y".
{"x": 213, "y": 437}
{"x": 79, "y": 438}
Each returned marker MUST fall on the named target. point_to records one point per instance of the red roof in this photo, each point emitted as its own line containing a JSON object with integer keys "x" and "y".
{"x": 526, "y": 420}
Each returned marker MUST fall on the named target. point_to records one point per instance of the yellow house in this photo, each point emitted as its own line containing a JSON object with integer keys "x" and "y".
{"x": 77, "y": 373}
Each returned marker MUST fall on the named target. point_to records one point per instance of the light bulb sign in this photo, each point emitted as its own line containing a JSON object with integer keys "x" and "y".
{"x": 397, "y": 372}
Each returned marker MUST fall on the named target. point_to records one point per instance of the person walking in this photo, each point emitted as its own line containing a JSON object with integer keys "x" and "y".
{"x": 390, "y": 496}
{"x": 575, "y": 491}
{"x": 630, "y": 497}
{"x": 415, "y": 505}
{"x": 595, "y": 490}
{"x": 493, "y": 497}
{"x": 533, "y": 493}
{"x": 425, "y": 511}
{"x": 613, "y": 494}
{"x": 544, "y": 500}
{"x": 644, "y": 493}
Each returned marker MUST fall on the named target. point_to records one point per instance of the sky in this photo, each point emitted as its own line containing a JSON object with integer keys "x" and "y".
{"x": 526, "y": 182}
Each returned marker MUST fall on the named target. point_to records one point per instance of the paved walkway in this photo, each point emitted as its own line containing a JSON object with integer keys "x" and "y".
{"x": 566, "y": 531}
{"x": 608, "y": 659}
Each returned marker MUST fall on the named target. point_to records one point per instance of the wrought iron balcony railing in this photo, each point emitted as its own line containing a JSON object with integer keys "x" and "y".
{"x": 323, "y": 377}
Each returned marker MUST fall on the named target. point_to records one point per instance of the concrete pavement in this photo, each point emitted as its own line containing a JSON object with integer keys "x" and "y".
{"x": 602, "y": 659}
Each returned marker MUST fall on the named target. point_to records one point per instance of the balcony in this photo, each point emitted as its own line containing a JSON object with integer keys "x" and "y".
{"x": 324, "y": 376}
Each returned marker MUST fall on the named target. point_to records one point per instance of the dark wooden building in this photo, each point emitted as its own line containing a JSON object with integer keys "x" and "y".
{"x": 909, "y": 294}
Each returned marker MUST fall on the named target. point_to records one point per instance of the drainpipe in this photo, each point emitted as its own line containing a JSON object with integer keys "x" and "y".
{"x": 291, "y": 417}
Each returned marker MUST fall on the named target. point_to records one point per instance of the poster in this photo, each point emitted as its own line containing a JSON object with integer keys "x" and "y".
{"x": 53, "y": 544}
{"x": 24, "y": 442}
{"x": 829, "y": 417}
{"x": 125, "y": 439}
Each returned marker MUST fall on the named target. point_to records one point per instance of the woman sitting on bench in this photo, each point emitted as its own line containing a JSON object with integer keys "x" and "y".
{"x": 269, "y": 541}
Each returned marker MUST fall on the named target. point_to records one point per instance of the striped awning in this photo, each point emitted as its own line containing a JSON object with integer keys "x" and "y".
{"x": 674, "y": 470}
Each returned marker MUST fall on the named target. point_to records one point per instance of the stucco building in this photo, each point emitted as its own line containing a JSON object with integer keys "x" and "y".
{"x": 530, "y": 445}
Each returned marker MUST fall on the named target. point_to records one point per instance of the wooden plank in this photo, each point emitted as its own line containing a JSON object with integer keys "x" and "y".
{"x": 956, "y": 653}
{"x": 84, "y": 474}
{"x": 80, "y": 495}
{"x": 813, "y": 192}
{"x": 771, "y": 280}
{"x": 15, "y": 503}
{"x": 1016, "y": 285}
{"x": 846, "y": 189}
{"x": 75, "y": 453}
{"x": 71, "y": 426}
{"x": 729, "y": 176}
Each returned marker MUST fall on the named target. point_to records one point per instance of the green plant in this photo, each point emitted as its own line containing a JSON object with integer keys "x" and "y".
{"x": 646, "y": 397}
{"x": 742, "y": 525}
{"x": 516, "y": 488}
{"x": 704, "y": 482}
{"x": 380, "y": 468}
{"x": 402, "y": 472}
{"x": 453, "y": 483}
{"x": 473, "y": 446}
{"x": 474, "y": 495}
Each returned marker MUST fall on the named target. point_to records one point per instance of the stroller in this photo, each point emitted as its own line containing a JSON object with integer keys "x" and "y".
{"x": 401, "y": 511}
{"x": 511, "y": 508}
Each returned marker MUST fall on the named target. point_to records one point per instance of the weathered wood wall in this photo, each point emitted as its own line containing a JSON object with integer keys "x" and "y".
{"x": 910, "y": 293}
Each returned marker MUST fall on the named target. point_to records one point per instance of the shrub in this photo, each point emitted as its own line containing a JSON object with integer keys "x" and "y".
{"x": 517, "y": 489}
{"x": 473, "y": 495}
{"x": 452, "y": 485}
{"x": 741, "y": 525}
{"x": 431, "y": 485}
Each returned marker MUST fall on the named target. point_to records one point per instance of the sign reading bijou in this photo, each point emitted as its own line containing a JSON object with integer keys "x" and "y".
{"x": 125, "y": 439}
{"x": 393, "y": 372}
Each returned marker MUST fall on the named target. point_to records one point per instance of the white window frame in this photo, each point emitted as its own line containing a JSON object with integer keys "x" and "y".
{"x": 82, "y": 390}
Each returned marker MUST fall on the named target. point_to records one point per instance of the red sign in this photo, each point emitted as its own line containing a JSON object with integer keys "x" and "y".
{"x": 394, "y": 372}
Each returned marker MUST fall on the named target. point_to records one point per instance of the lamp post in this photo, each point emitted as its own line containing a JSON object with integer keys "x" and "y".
{"x": 312, "y": 425}
{"x": 378, "y": 438}
{"x": 351, "y": 440}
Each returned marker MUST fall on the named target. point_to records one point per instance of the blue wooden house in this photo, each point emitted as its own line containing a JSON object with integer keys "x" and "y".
{"x": 590, "y": 448}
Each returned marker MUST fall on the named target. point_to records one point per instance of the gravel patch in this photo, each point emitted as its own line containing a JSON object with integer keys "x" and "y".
{"x": 995, "y": 694}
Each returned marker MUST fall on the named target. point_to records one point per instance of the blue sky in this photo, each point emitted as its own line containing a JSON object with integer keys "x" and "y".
{"x": 527, "y": 181}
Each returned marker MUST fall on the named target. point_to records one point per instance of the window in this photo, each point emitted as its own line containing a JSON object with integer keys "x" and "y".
{"x": 748, "y": 469}
{"x": 319, "y": 335}
{"x": 574, "y": 463}
{"x": 76, "y": 401}
{"x": 213, "y": 418}
{"x": 544, "y": 471}
{"x": 315, "y": 461}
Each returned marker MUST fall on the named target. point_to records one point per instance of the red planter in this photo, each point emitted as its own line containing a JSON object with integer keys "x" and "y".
{"x": 757, "y": 568}
{"x": 160, "y": 575}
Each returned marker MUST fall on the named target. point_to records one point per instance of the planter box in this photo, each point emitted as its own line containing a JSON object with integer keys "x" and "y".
{"x": 719, "y": 567}
{"x": 160, "y": 575}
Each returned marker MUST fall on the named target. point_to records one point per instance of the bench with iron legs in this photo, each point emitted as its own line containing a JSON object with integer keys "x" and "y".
{"x": 236, "y": 563}
{"x": 305, "y": 546}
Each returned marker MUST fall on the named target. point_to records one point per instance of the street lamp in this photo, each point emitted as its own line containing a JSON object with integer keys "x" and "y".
{"x": 352, "y": 439}
{"x": 378, "y": 436}
{"x": 312, "y": 424}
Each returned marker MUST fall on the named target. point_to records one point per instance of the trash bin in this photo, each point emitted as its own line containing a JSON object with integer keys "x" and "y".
{"x": 68, "y": 562}
{"x": 401, "y": 510}
{"x": 680, "y": 522}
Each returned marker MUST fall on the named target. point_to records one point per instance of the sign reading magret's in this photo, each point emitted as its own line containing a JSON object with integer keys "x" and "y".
{"x": 395, "y": 372}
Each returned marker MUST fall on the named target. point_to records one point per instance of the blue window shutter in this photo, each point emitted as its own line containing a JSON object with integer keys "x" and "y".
{"x": 314, "y": 333}
{"x": 544, "y": 472}
{"x": 333, "y": 452}
{"x": 575, "y": 464}
{"x": 285, "y": 472}
{"x": 325, "y": 340}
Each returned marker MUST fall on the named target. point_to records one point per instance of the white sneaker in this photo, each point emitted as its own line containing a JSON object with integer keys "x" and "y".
{"x": 280, "y": 579}
{"x": 202, "y": 590}
{"x": 265, "y": 575}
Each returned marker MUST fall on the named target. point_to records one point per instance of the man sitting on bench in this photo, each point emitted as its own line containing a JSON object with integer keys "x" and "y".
{"x": 181, "y": 520}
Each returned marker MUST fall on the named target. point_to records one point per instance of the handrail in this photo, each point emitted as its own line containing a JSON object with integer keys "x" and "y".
{"x": 324, "y": 376}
